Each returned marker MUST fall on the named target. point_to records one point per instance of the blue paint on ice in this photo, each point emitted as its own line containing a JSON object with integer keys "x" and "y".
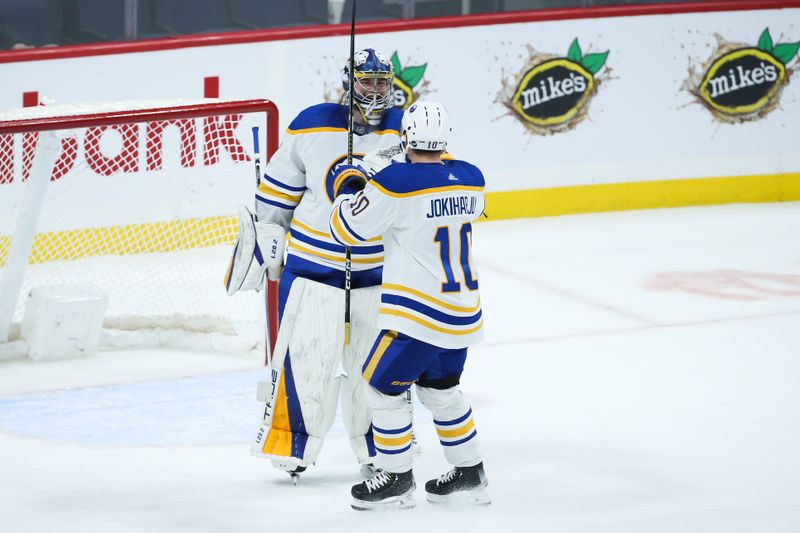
{"x": 217, "y": 409}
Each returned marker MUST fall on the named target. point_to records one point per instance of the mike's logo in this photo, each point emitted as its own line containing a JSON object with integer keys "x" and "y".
{"x": 408, "y": 83}
{"x": 552, "y": 93}
{"x": 740, "y": 82}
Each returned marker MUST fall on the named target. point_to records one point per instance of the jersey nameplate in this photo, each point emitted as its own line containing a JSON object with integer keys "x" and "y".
{"x": 452, "y": 206}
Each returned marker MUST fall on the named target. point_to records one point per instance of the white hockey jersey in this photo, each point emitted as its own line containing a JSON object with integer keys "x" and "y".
{"x": 424, "y": 212}
{"x": 296, "y": 191}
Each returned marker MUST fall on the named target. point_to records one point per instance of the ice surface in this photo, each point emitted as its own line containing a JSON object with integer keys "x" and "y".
{"x": 640, "y": 374}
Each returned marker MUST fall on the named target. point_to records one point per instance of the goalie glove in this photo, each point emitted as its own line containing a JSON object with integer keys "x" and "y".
{"x": 258, "y": 251}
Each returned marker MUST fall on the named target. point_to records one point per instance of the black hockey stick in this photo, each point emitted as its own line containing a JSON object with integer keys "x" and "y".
{"x": 348, "y": 257}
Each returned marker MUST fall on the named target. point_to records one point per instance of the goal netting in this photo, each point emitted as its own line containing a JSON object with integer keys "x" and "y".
{"x": 137, "y": 199}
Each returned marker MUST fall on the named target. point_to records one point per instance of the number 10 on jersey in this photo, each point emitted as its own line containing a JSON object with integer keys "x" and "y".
{"x": 442, "y": 236}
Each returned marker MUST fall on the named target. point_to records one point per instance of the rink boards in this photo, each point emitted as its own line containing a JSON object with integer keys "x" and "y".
{"x": 629, "y": 109}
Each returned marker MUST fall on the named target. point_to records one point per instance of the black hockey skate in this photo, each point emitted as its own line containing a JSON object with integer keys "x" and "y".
{"x": 290, "y": 467}
{"x": 384, "y": 491}
{"x": 466, "y": 484}
{"x": 295, "y": 474}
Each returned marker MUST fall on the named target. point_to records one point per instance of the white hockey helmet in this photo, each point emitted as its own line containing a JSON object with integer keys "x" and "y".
{"x": 425, "y": 126}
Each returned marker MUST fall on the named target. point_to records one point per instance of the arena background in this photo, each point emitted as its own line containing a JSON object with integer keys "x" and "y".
{"x": 643, "y": 139}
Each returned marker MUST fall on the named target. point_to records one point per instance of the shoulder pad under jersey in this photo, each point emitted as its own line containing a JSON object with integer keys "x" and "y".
{"x": 320, "y": 117}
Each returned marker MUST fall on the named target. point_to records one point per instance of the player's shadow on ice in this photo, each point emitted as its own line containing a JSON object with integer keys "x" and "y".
{"x": 315, "y": 480}
{"x": 564, "y": 478}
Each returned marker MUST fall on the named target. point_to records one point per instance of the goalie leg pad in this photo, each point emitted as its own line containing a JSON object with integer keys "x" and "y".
{"x": 302, "y": 407}
{"x": 356, "y": 414}
{"x": 454, "y": 424}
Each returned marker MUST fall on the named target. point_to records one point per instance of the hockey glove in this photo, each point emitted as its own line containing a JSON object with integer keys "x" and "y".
{"x": 258, "y": 252}
{"x": 349, "y": 180}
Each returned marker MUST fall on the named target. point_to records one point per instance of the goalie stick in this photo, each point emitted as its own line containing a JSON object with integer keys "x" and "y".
{"x": 348, "y": 259}
{"x": 271, "y": 292}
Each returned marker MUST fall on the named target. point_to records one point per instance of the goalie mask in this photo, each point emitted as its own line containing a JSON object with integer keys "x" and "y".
{"x": 425, "y": 126}
{"x": 373, "y": 76}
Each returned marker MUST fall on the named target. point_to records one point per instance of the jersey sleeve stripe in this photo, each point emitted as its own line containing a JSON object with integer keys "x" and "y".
{"x": 282, "y": 185}
{"x": 338, "y": 231}
{"x": 318, "y": 233}
{"x": 430, "y": 325}
{"x": 333, "y": 233}
{"x": 439, "y": 316}
{"x": 348, "y": 228}
{"x": 421, "y": 295}
{"x": 276, "y": 204}
{"x": 266, "y": 190}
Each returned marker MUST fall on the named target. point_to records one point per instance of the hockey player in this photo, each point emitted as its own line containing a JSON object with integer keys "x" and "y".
{"x": 430, "y": 309}
{"x": 311, "y": 365}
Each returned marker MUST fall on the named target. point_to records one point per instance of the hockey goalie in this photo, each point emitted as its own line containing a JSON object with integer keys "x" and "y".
{"x": 313, "y": 369}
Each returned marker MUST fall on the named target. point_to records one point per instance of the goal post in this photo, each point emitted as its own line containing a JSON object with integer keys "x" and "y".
{"x": 136, "y": 198}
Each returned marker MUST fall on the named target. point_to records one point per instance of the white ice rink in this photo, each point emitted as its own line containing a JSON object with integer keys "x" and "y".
{"x": 641, "y": 374}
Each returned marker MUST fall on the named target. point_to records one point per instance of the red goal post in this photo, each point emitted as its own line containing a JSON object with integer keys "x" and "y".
{"x": 138, "y": 199}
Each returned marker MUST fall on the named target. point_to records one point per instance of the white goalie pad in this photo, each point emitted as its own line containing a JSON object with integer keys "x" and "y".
{"x": 258, "y": 251}
{"x": 312, "y": 330}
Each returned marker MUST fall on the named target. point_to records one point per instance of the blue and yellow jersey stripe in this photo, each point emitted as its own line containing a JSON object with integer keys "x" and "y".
{"x": 318, "y": 246}
{"x": 456, "y": 431}
{"x": 377, "y": 353}
{"x": 430, "y": 312}
{"x": 392, "y": 441}
{"x": 275, "y": 193}
{"x": 343, "y": 233}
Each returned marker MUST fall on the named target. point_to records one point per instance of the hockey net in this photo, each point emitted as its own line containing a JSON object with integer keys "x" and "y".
{"x": 139, "y": 201}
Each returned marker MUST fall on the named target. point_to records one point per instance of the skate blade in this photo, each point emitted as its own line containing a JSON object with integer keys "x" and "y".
{"x": 477, "y": 496}
{"x": 404, "y": 501}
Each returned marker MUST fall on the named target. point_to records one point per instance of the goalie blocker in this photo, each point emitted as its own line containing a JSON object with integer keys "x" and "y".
{"x": 258, "y": 252}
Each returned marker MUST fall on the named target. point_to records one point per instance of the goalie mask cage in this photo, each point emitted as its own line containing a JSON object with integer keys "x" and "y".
{"x": 138, "y": 199}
